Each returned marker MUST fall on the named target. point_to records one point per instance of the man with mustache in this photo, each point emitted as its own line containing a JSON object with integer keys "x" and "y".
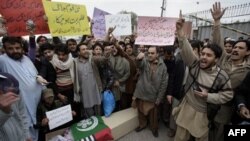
{"x": 150, "y": 89}
{"x": 20, "y": 66}
{"x": 235, "y": 64}
{"x": 88, "y": 84}
{"x": 206, "y": 84}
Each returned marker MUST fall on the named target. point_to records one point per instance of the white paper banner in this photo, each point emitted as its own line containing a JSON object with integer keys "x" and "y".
{"x": 59, "y": 116}
{"x": 155, "y": 31}
{"x": 122, "y": 22}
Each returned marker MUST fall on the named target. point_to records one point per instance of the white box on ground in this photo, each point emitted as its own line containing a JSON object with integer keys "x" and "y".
{"x": 122, "y": 122}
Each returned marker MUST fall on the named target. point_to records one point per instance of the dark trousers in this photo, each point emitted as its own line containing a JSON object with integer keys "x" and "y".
{"x": 126, "y": 100}
{"x": 165, "y": 111}
{"x": 68, "y": 91}
{"x": 117, "y": 106}
{"x": 217, "y": 133}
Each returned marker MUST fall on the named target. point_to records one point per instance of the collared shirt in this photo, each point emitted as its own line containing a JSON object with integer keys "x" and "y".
{"x": 153, "y": 68}
{"x": 234, "y": 67}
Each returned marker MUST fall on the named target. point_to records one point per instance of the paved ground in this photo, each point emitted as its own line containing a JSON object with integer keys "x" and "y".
{"x": 146, "y": 135}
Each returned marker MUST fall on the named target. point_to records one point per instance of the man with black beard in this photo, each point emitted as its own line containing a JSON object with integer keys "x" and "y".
{"x": 20, "y": 66}
{"x": 206, "y": 84}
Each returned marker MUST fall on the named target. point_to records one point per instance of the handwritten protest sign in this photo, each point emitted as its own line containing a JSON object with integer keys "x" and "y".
{"x": 122, "y": 23}
{"x": 18, "y": 12}
{"x": 59, "y": 116}
{"x": 155, "y": 31}
{"x": 66, "y": 19}
{"x": 99, "y": 27}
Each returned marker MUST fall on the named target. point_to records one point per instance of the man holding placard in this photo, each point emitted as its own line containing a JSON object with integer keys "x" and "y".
{"x": 47, "y": 104}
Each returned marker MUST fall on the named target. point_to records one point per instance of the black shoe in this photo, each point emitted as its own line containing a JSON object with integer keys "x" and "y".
{"x": 166, "y": 123}
{"x": 138, "y": 129}
{"x": 155, "y": 133}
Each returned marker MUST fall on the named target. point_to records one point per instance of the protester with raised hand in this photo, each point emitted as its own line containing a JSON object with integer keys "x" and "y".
{"x": 206, "y": 85}
{"x": 150, "y": 89}
{"x": 235, "y": 64}
{"x": 3, "y": 29}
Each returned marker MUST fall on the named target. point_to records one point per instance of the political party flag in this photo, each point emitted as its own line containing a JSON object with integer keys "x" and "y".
{"x": 91, "y": 129}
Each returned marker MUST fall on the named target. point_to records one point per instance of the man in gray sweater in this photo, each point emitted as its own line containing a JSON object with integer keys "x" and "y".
{"x": 13, "y": 120}
{"x": 150, "y": 89}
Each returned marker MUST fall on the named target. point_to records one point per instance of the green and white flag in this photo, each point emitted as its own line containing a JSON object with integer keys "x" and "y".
{"x": 91, "y": 129}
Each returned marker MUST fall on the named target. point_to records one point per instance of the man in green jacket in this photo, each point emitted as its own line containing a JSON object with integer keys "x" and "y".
{"x": 150, "y": 89}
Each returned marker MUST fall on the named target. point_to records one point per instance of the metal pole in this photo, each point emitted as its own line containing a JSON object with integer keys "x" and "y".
{"x": 163, "y": 7}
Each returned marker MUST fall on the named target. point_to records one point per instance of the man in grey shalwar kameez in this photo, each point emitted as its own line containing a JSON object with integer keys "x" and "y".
{"x": 89, "y": 82}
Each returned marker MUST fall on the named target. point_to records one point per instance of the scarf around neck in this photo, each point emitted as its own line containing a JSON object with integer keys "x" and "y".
{"x": 60, "y": 64}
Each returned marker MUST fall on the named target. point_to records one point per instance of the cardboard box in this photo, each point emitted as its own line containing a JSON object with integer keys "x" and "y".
{"x": 120, "y": 123}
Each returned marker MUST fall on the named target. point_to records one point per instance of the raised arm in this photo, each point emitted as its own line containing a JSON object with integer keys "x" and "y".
{"x": 109, "y": 34}
{"x": 140, "y": 60}
{"x": 3, "y": 29}
{"x": 217, "y": 13}
{"x": 6, "y": 101}
{"x": 30, "y": 27}
{"x": 187, "y": 52}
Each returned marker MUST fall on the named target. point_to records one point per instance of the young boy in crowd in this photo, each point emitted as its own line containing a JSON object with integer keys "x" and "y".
{"x": 46, "y": 104}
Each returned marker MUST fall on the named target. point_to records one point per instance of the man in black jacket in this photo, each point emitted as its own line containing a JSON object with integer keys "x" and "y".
{"x": 47, "y": 71}
{"x": 242, "y": 99}
{"x": 175, "y": 89}
{"x": 169, "y": 61}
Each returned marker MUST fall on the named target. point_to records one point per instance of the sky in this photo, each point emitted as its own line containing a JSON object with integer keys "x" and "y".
{"x": 152, "y": 7}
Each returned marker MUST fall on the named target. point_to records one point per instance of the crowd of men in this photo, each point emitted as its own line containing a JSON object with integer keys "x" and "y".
{"x": 205, "y": 85}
